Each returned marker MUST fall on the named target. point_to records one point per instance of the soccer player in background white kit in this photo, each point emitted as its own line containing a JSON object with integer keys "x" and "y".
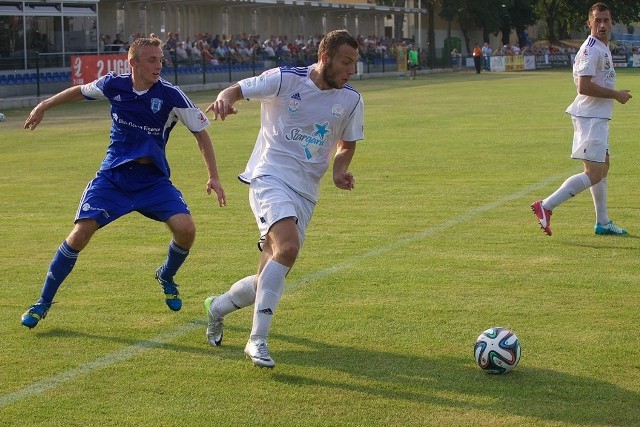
{"x": 590, "y": 112}
{"x": 307, "y": 114}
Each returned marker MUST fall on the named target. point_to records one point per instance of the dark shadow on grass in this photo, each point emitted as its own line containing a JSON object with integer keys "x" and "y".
{"x": 604, "y": 243}
{"x": 199, "y": 348}
{"x": 445, "y": 381}
{"x": 456, "y": 382}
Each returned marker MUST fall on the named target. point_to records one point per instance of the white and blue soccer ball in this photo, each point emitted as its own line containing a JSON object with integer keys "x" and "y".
{"x": 1, "y": 117}
{"x": 497, "y": 350}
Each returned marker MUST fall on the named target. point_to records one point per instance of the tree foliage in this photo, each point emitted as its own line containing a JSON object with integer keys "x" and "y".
{"x": 565, "y": 16}
{"x": 492, "y": 16}
{"x": 562, "y": 17}
{"x": 398, "y": 18}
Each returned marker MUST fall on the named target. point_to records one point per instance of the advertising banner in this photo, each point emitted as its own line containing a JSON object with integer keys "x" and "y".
{"x": 87, "y": 68}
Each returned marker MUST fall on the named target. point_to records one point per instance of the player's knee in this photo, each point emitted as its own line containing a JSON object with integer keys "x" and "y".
{"x": 287, "y": 251}
{"x": 185, "y": 235}
{"x": 595, "y": 176}
{"x": 81, "y": 234}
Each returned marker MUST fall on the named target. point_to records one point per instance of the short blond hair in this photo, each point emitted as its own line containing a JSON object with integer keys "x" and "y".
{"x": 140, "y": 43}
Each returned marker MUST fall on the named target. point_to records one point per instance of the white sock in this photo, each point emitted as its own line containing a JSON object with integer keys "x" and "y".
{"x": 599, "y": 195}
{"x": 241, "y": 294}
{"x": 573, "y": 185}
{"x": 270, "y": 289}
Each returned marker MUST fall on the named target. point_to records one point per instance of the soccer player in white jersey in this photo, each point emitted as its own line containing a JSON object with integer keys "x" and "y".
{"x": 307, "y": 114}
{"x": 590, "y": 112}
{"x": 134, "y": 175}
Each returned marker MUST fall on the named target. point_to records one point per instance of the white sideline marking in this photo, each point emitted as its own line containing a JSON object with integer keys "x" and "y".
{"x": 103, "y": 362}
{"x": 421, "y": 235}
{"x": 133, "y": 350}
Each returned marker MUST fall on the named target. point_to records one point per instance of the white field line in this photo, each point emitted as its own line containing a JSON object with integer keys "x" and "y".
{"x": 131, "y": 351}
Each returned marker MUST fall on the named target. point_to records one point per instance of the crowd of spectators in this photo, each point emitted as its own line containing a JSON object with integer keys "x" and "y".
{"x": 244, "y": 48}
{"x": 222, "y": 49}
{"x": 239, "y": 49}
{"x": 625, "y": 49}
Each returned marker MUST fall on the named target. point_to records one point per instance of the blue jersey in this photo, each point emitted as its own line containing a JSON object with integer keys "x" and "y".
{"x": 142, "y": 121}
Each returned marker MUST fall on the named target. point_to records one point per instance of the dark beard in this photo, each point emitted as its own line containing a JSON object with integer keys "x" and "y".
{"x": 329, "y": 77}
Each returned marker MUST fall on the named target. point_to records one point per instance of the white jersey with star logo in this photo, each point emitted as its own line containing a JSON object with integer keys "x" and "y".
{"x": 593, "y": 59}
{"x": 300, "y": 127}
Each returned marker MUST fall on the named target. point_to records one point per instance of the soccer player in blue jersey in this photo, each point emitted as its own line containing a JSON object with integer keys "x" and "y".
{"x": 591, "y": 110}
{"x": 134, "y": 175}
{"x": 308, "y": 115}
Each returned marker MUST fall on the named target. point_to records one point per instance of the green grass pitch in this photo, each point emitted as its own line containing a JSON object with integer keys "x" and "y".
{"x": 396, "y": 280}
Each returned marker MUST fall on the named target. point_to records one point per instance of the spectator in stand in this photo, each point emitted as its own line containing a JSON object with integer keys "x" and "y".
{"x": 182, "y": 56}
{"x": 196, "y": 53}
{"x": 171, "y": 44}
{"x": 232, "y": 52}
{"x": 246, "y": 53}
{"x": 215, "y": 43}
{"x": 293, "y": 51}
{"x": 208, "y": 56}
{"x": 221, "y": 53}
{"x": 108, "y": 46}
{"x": 268, "y": 50}
{"x": 117, "y": 42}
{"x": 286, "y": 53}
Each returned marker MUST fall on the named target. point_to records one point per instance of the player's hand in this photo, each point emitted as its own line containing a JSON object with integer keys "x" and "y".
{"x": 623, "y": 96}
{"x": 215, "y": 185}
{"x": 34, "y": 119}
{"x": 344, "y": 180}
{"x": 221, "y": 108}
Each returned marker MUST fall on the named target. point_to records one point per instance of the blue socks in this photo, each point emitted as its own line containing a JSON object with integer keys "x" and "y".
{"x": 65, "y": 259}
{"x": 175, "y": 258}
{"x": 60, "y": 267}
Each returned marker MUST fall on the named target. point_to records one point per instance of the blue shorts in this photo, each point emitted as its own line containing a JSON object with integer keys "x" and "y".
{"x": 130, "y": 187}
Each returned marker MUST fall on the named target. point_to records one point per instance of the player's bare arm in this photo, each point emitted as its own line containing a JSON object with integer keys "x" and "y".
{"x": 223, "y": 105}
{"x": 342, "y": 178}
{"x": 208, "y": 154}
{"x": 587, "y": 87}
{"x": 72, "y": 94}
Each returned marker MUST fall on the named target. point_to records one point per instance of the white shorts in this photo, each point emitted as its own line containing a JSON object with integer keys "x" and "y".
{"x": 590, "y": 139}
{"x": 272, "y": 200}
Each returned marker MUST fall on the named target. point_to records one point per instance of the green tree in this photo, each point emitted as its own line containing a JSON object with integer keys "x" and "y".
{"x": 492, "y": 16}
{"x": 398, "y": 18}
{"x": 565, "y": 16}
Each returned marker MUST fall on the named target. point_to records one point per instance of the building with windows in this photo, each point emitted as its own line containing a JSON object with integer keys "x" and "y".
{"x": 35, "y": 34}
{"x": 31, "y": 29}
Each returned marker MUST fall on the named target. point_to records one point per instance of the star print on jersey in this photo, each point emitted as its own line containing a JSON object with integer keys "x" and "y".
{"x": 321, "y": 129}
{"x": 310, "y": 143}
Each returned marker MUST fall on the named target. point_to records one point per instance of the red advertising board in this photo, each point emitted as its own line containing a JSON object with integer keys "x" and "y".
{"x": 87, "y": 68}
